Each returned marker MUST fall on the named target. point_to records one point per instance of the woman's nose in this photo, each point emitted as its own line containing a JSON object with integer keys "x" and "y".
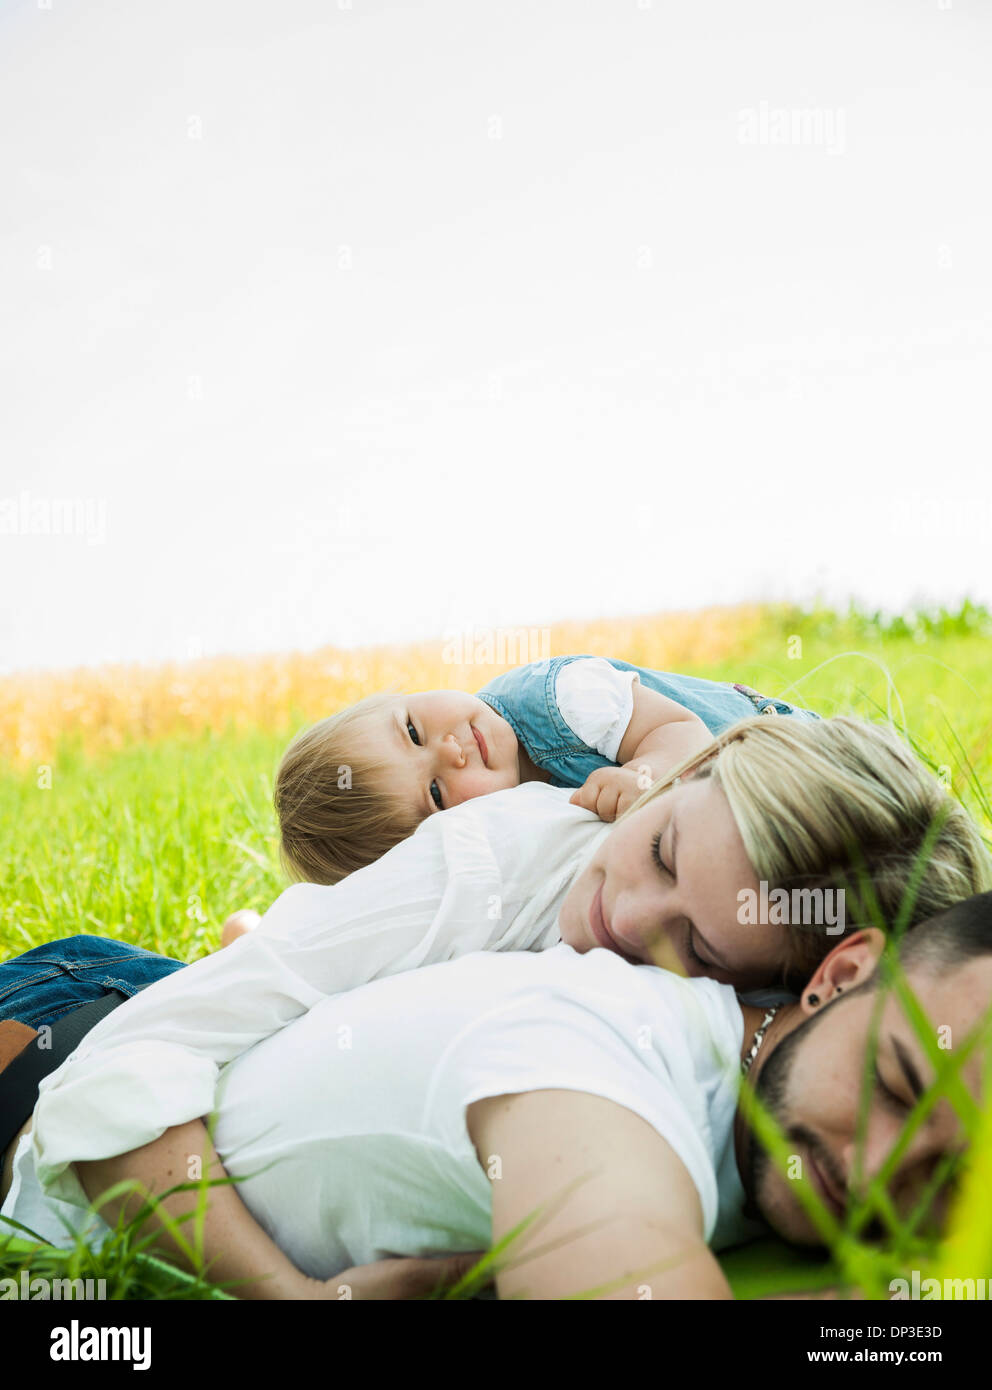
{"x": 642, "y": 919}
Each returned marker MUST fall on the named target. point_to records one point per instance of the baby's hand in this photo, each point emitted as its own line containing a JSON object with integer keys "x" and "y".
{"x": 609, "y": 791}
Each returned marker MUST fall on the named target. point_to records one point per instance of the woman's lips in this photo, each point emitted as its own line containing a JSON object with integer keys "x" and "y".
{"x": 596, "y": 923}
{"x": 482, "y": 745}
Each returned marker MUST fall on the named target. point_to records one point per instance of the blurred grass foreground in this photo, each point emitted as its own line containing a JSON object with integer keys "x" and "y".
{"x": 135, "y": 802}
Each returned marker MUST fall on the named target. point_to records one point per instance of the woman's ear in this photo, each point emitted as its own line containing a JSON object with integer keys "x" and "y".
{"x": 852, "y": 961}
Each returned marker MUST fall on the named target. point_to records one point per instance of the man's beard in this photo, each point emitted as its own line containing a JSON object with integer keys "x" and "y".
{"x": 771, "y": 1089}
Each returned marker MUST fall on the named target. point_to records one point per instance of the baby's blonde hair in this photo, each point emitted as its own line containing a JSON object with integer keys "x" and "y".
{"x": 333, "y": 800}
{"x": 841, "y": 803}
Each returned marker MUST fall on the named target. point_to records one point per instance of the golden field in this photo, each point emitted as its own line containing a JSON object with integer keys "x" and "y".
{"x": 106, "y": 708}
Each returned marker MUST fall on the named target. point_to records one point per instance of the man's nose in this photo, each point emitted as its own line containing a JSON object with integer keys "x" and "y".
{"x": 862, "y": 1159}
{"x": 450, "y": 751}
{"x": 914, "y": 1172}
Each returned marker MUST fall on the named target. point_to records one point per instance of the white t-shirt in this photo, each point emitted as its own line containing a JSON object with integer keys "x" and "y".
{"x": 596, "y": 701}
{"x": 490, "y": 875}
{"x": 352, "y": 1121}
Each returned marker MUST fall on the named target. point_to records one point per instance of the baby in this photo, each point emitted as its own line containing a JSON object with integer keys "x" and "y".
{"x": 354, "y": 785}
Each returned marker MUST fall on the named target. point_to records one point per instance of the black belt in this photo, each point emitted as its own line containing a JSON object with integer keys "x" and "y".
{"x": 20, "y": 1079}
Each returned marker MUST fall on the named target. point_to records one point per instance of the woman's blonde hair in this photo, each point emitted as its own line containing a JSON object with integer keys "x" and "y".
{"x": 841, "y": 803}
{"x": 333, "y": 800}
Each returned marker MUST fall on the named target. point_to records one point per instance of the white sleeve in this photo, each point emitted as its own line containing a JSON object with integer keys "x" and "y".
{"x": 481, "y": 876}
{"x": 596, "y": 701}
{"x": 549, "y": 1043}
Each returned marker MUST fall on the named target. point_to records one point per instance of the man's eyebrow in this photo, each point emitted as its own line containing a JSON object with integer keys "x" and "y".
{"x": 908, "y": 1066}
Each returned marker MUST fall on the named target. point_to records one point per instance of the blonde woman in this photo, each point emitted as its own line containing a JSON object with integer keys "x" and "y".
{"x": 752, "y": 859}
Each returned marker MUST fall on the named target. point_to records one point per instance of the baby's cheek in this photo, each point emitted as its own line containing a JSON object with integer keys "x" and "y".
{"x": 474, "y": 784}
{"x": 477, "y": 782}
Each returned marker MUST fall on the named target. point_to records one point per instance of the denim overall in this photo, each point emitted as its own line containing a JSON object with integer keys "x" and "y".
{"x": 525, "y": 698}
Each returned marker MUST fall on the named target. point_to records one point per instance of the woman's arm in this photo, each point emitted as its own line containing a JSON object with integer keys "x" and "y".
{"x": 621, "y": 1216}
{"x": 234, "y": 1246}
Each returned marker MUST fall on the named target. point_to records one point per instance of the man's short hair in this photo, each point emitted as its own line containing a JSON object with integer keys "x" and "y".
{"x": 962, "y": 933}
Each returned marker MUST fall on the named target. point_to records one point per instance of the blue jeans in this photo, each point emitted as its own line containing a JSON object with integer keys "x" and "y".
{"x": 49, "y": 981}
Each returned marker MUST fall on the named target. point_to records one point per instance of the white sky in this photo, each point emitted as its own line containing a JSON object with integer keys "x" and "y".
{"x": 467, "y": 313}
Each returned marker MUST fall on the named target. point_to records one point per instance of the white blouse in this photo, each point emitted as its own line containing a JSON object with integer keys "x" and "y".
{"x": 490, "y": 875}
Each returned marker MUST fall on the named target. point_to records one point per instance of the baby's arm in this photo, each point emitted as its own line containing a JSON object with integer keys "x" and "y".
{"x": 235, "y": 1248}
{"x": 661, "y": 734}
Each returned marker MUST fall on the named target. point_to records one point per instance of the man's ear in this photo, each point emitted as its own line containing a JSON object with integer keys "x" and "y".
{"x": 852, "y": 961}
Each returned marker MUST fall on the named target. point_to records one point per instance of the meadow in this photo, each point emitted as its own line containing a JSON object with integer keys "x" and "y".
{"x": 135, "y": 802}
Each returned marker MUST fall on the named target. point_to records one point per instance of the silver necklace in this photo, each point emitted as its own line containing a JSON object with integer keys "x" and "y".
{"x": 759, "y": 1038}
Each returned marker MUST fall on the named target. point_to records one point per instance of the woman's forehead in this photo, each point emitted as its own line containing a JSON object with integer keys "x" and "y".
{"x": 700, "y": 807}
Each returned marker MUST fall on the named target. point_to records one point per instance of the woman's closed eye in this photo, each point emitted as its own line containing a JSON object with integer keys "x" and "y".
{"x": 690, "y": 947}
{"x": 656, "y": 855}
{"x": 693, "y": 954}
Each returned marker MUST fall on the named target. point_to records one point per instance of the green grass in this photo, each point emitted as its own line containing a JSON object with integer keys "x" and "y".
{"x": 153, "y": 845}
{"x": 157, "y": 843}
